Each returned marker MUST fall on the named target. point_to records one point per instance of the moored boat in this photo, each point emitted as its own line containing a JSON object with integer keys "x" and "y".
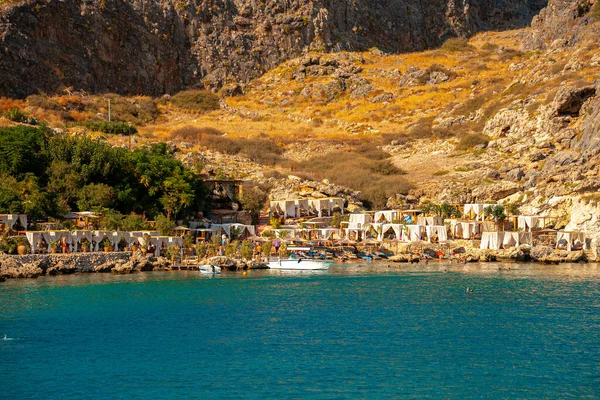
{"x": 210, "y": 269}
{"x": 299, "y": 264}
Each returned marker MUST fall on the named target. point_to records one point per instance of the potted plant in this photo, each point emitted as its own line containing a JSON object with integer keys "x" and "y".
{"x": 85, "y": 245}
{"x": 106, "y": 245}
{"x": 54, "y": 244}
{"x": 22, "y": 245}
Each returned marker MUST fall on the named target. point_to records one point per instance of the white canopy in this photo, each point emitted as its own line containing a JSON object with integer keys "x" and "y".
{"x": 491, "y": 240}
{"x": 430, "y": 221}
{"x": 529, "y": 222}
{"x": 387, "y": 216}
{"x": 358, "y": 221}
{"x": 569, "y": 239}
{"x": 515, "y": 239}
{"x": 397, "y": 228}
{"x": 468, "y": 229}
{"x": 11, "y": 219}
{"x": 34, "y": 238}
{"x": 441, "y": 231}
{"x": 414, "y": 232}
{"x": 476, "y": 209}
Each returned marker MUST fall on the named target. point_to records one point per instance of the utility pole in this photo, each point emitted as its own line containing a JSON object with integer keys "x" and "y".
{"x": 108, "y": 110}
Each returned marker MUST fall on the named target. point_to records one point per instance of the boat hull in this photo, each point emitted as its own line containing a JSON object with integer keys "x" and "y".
{"x": 299, "y": 264}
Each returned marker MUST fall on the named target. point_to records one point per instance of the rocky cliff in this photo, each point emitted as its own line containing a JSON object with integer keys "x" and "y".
{"x": 161, "y": 46}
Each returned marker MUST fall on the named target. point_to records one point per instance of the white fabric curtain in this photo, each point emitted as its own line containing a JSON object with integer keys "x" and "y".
{"x": 468, "y": 229}
{"x": 511, "y": 239}
{"x": 525, "y": 238}
{"x": 358, "y": 221}
{"x": 78, "y": 236}
{"x": 33, "y": 238}
{"x": 328, "y": 233}
{"x": 397, "y": 228}
{"x": 302, "y": 204}
{"x": 386, "y": 215}
{"x": 337, "y": 202}
{"x": 491, "y": 240}
{"x": 414, "y": 232}
{"x": 528, "y": 222}
{"x": 571, "y": 238}
{"x": 441, "y": 232}
{"x": 226, "y": 228}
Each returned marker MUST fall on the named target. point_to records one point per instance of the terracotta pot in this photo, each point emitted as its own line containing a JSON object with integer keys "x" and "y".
{"x": 126, "y": 249}
{"x": 107, "y": 249}
{"x": 21, "y": 249}
{"x": 84, "y": 249}
{"x": 134, "y": 248}
{"x": 52, "y": 250}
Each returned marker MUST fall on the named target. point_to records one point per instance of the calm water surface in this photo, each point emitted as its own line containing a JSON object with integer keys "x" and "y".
{"x": 351, "y": 332}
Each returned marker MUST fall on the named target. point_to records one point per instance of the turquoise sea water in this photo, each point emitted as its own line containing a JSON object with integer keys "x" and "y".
{"x": 351, "y": 332}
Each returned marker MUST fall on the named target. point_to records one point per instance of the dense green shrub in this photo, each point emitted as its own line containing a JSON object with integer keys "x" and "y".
{"x": 16, "y": 115}
{"x": 50, "y": 176}
{"x": 197, "y": 100}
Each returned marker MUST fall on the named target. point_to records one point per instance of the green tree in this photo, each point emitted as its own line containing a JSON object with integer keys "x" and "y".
{"x": 177, "y": 195}
{"x": 95, "y": 196}
{"x": 164, "y": 225}
{"x": 133, "y": 222}
{"x": 10, "y": 197}
{"x": 34, "y": 199}
{"x": 22, "y": 150}
{"x": 246, "y": 250}
{"x": 111, "y": 220}
{"x": 253, "y": 199}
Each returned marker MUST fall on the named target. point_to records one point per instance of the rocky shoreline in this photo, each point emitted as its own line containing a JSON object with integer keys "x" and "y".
{"x": 37, "y": 265}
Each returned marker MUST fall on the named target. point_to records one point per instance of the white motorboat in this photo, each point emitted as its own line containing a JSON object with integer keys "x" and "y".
{"x": 210, "y": 269}
{"x": 302, "y": 258}
{"x": 299, "y": 264}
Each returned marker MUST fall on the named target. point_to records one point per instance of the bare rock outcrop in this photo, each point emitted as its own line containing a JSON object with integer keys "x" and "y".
{"x": 154, "y": 47}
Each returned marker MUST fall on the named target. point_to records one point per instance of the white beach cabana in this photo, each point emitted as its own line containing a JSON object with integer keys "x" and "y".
{"x": 515, "y": 239}
{"x": 358, "y": 221}
{"x": 34, "y": 238}
{"x": 78, "y": 236}
{"x": 475, "y": 210}
{"x": 398, "y": 230}
{"x": 387, "y": 216}
{"x": 9, "y": 220}
{"x": 440, "y": 230}
{"x": 415, "y": 232}
{"x": 569, "y": 240}
{"x": 423, "y": 221}
{"x": 532, "y": 222}
{"x": 492, "y": 240}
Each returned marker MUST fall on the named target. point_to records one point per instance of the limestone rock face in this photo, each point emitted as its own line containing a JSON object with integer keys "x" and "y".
{"x": 155, "y": 47}
{"x": 560, "y": 24}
